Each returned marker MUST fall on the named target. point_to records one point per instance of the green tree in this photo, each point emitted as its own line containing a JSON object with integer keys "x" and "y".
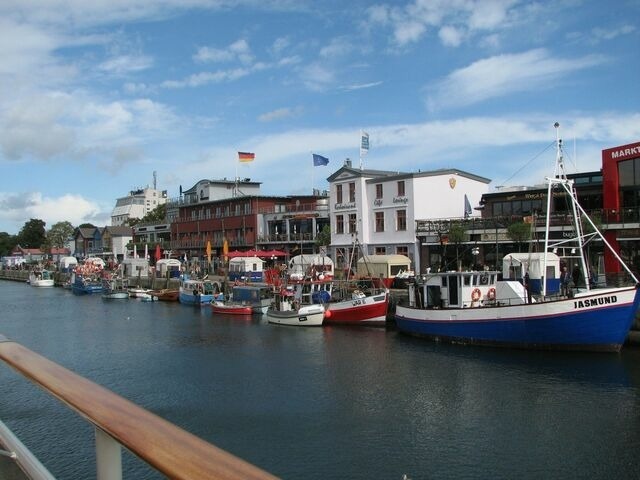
{"x": 519, "y": 233}
{"x": 7, "y": 243}
{"x": 457, "y": 235}
{"x": 87, "y": 225}
{"x": 59, "y": 233}
{"x": 32, "y": 234}
{"x": 324, "y": 237}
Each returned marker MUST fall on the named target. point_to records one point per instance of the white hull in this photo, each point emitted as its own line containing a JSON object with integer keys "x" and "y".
{"x": 307, "y": 316}
{"x": 41, "y": 283}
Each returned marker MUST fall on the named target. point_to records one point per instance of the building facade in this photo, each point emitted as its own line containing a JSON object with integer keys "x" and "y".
{"x": 375, "y": 212}
{"x": 137, "y": 204}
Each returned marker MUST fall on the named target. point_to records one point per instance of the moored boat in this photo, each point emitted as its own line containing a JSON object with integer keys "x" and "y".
{"x": 288, "y": 310}
{"x": 114, "y": 288}
{"x": 476, "y": 308}
{"x": 231, "y": 308}
{"x": 166, "y": 294}
{"x": 41, "y": 278}
{"x": 358, "y": 303}
{"x": 197, "y": 292}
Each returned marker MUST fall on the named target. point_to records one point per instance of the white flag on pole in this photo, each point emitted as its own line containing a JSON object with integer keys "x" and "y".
{"x": 364, "y": 144}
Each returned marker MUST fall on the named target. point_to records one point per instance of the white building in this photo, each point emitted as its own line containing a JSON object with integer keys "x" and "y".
{"x": 379, "y": 209}
{"x": 137, "y": 204}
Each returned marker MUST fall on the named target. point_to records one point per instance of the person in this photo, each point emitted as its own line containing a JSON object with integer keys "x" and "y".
{"x": 576, "y": 276}
{"x": 565, "y": 278}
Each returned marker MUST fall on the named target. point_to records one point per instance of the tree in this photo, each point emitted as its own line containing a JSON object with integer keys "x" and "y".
{"x": 58, "y": 234}
{"x": 87, "y": 225}
{"x": 7, "y": 243}
{"x": 457, "y": 235}
{"x": 324, "y": 237}
{"x": 33, "y": 234}
{"x": 519, "y": 232}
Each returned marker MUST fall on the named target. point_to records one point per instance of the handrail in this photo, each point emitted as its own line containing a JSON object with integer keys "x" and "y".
{"x": 169, "y": 449}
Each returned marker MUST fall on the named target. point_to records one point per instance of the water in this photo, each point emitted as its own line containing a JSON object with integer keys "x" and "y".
{"x": 322, "y": 403}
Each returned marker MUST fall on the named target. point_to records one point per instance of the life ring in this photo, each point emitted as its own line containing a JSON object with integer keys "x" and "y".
{"x": 491, "y": 294}
{"x": 476, "y": 294}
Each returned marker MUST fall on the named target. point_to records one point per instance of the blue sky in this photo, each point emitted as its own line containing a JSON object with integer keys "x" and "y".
{"x": 97, "y": 95}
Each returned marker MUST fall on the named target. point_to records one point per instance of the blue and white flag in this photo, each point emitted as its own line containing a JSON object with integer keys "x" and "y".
{"x": 319, "y": 160}
{"x": 364, "y": 143}
{"x": 467, "y": 207}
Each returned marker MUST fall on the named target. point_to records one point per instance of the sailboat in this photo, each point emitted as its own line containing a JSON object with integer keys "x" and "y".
{"x": 474, "y": 307}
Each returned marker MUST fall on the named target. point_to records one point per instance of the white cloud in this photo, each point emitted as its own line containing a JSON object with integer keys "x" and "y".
{"x": 124, "y": 64}
{"x": 280, "y": 113}
{"x": 503, "y": 75}
{"x": 73, "y": 208}
{"x": 238, "y": 51}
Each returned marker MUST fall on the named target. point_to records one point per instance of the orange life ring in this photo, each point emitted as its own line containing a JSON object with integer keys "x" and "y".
{"x": 476, "y": 294}
{"x": 491, "y": 294}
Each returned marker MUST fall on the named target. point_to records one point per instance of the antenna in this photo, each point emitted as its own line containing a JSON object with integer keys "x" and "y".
{"x": 155, "y": 179}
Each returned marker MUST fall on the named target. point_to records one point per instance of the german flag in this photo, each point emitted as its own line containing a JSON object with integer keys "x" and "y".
{"x": 246, "y": 156}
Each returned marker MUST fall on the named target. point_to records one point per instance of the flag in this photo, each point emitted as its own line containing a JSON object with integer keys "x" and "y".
{"x": 246, "y": 156}
{"x": 467, "y": 207}
{"x": 319, "y": 160}
{"x": 364, "y": 143}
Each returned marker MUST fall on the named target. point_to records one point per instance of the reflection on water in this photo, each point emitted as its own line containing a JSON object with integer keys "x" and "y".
{"x": 320, "y": 403}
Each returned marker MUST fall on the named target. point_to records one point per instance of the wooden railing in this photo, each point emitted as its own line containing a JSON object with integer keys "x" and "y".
{"x": 167, "y": 448}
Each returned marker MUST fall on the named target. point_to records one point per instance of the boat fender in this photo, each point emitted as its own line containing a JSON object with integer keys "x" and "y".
{"x": 491, "y": 294}
{"x": 475, "y": 294}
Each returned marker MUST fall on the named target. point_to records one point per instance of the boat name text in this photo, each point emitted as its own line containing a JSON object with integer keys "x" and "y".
{"x": 594, "y": 302}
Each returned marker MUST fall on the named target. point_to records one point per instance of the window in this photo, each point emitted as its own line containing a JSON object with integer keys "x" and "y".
{"x": 338, "y": 193}
{"x": 352, "y": 223}
{"x": 404, "y": 250}
{"x": 401, "y": 220}
{"x": 401, "y": 192}
{"x": 352, "y": 192}
{"x": 339, "y": 224}
{"x": 380, "y": 250}
{"x": 379, "y": 221}
{"x": 378, "y": 190}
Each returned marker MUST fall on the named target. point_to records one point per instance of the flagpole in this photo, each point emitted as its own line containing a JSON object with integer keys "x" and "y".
{"x": 312, "y": 169}
{"x": 361, "y": 132}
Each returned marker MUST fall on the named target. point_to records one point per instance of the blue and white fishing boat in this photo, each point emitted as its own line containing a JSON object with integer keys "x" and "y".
{"x": 198, "y": 292}
{"x": 82, "y": 284}
{"x": 476, "y": 308}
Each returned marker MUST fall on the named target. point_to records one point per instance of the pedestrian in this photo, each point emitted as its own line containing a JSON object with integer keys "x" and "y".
{"x": 576, "y": 275}
{"x": 565, "y": 278}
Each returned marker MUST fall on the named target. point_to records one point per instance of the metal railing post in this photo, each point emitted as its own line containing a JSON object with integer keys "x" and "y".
{"x": 108, "y": 457}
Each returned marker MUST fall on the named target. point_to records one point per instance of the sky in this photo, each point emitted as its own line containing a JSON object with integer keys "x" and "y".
{"x": 97, "y": 95}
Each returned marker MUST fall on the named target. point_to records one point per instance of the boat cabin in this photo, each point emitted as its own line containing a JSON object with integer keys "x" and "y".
{"x": 516, "y": 265}
{"x": 310, "y": 266}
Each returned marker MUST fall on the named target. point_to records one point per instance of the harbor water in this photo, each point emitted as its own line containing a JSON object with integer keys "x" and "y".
{"x": 322, "y": 403}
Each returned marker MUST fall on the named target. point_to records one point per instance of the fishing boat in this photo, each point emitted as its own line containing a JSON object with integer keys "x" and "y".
{"x": 115, "y": 288}
{"x": 359, "y": 302}
{"x": 231, "y": 308}
{"x": 166, "y": 294}
{"x": 41, "y": 278}
{"x": 288, "y": 309}
{"x": 476, "y": 307}
{"x": 257, "y": 296}
{"x": 194, "y": 291}
{"x": 82, "y": 284}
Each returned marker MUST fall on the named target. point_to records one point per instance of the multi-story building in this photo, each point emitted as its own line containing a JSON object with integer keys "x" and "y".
{"x": 375, "y": 211}
{"x": 138, "y": 203}
{"x": 215, "y": 211}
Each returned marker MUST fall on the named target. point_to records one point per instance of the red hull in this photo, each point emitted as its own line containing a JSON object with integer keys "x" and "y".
{"x": 372, "y": 311}
{"x": 231, "y": 309}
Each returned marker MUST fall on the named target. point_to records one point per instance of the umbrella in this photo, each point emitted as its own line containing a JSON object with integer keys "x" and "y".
{"x": 209, "y": 252}
{"x": 272, "y": 253}
{"x": 158, "y": 252}
{"x": 225, "y": 249}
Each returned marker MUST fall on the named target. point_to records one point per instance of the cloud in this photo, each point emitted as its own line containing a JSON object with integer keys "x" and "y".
{"x": 16, "y": 207}
{"x": 238, "y": 51}
{"x": 504, "y": 75}
{"x": 361, "y": 86}
{"x": 124, "y": 64}
{"x": 455, "y": 21}
{"x": 280, "y": 114}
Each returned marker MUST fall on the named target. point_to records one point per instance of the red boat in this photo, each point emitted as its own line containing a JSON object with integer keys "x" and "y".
{"x": 360, "y": 309}
{"x": 231, "y": 308}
